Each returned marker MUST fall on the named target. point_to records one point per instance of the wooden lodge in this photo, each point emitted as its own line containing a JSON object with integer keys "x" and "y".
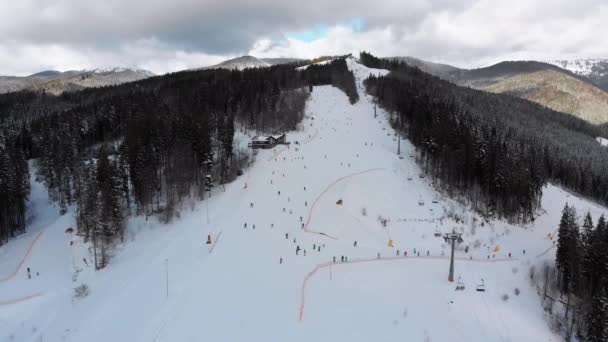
{"x": 268, "y": 141}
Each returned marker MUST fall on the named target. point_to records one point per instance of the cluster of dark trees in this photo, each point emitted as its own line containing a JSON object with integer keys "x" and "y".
{"x": 141, "y": 147}
{"x": 14, "y": 188}
{"x": 582, "y": 261}
{"x": 338, "y": 76}
{"x": 494, "y": 151}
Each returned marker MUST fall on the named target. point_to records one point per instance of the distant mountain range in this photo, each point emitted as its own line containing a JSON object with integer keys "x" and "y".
{"x": 566, "y": 90}
{"x": 243, "y": 62}
{"x": 57, "y": 82}
{"x": 579, "y": 87}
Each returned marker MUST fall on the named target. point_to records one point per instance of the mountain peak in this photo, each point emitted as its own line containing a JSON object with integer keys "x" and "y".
{"x": 117, "y": 69}
{"x": 46, "y": 73}
{"x": 240, "y": 63}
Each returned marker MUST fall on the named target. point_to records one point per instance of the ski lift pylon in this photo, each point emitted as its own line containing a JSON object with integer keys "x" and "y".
{"x": 460, "y": 285}
{"x": 481, "y": 287}
{"x": 420, "y": 201}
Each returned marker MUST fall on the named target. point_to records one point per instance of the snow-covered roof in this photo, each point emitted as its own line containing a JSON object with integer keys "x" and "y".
{"x": 260, "y": 138}
{"x": 277, "y": 136}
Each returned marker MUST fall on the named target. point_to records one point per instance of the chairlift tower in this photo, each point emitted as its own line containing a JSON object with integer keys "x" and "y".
{"x": 453, "y": 237}
{"x": 208, "y": 180}
{"x": 398, "y": 144}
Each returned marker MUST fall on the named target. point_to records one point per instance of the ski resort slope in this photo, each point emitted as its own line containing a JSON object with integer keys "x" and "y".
{"x": 337, "y": 182}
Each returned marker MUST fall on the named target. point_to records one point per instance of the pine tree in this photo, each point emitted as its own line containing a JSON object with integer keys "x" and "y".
{"x": 601, "y": 225}
{"x": 567, "y": 247}
{"x": 597, "y": 320}
{"x": 588, "y": 256}
{"x": 587, "y": 230}
{"x": 597, "y": 260}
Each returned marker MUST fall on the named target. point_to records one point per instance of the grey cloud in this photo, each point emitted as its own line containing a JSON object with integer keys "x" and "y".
{"x": 447, "y": 30}
{"x": 209, "y": 26}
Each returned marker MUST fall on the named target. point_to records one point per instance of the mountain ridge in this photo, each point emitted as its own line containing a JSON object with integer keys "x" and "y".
{"x": 541, "y": 82}
{"x": 57, "y": 82}
{"x": 239, "y": 63}
{"x": 595, "y": 69}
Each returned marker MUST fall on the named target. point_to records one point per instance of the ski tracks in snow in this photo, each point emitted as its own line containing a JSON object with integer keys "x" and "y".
{"x": 329, "y": 187}
{"x": 20, "y": 265}
{"x": 359, "y": 261}
{"x": 20, "y": 299}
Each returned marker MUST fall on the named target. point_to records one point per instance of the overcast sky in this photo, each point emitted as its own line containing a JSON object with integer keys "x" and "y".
{"x": 171, "y": 35}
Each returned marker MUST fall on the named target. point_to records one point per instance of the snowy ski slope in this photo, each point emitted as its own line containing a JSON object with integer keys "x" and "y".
{"x": 237, "y": 290}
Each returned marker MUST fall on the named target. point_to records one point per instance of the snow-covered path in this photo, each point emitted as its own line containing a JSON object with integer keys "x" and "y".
{"x": 253, "y": 286}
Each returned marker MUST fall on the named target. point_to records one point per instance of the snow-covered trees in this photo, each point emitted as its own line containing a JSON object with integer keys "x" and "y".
{"x": 597, "y": 320}
{"x": 582, "y": 260}
{"x": 336, "y": 73}
{"x": 594, "y": 293}
{"x": 14, "y": 190}
{"x": 568, "y": 248}
{"x": 492, "y": 150}
{"x": 141, "y": 147}
{"x": 496, "y": 152}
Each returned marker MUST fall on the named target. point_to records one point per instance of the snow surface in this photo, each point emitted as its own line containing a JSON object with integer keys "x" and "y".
{"x": 602, "y": 141}
{"x": 236, "y": 289}
{"x": 143, "y": 72}
{"x": 327, "y": 61}
{"x": 579, "y": 66}
{"x": 239, "y": 63}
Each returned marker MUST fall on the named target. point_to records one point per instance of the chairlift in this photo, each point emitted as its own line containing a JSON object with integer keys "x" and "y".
{"x": 481, "y": 287}
{"x": 460, "y": 285}
{"x": 437, "y": 233}
{"x": 420, "y": 202}
{"x": 409, "y": 178}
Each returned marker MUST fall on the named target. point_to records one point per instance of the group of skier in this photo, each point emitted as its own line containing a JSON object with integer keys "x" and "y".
{"x": 29, "y": 273}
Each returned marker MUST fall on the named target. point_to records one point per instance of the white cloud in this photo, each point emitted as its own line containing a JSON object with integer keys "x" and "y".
{"x": 22, "y": 60}
{"x": 485, "y": 33}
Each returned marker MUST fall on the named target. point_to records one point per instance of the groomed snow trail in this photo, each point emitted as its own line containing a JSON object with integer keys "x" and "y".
{"x": 329, "y": 187}
{"x": 332, "y": 264}
{"x": 250, "y": 285}
{"x": 23, "y": 260}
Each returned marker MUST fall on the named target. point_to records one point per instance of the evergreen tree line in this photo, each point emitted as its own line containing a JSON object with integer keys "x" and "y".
{"x": 142, "y": 147}
{"x": 338, "y": 76}
{"x": 582, "y": 264}
{"x": 494, "y": 151}
{"x": 14, "y": 189}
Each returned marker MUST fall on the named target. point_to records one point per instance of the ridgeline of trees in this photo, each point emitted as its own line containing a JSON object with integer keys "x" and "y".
{"x": 494, "y": 151}
{"x": 582, "y": 261}
{"x": 140, "y": 148}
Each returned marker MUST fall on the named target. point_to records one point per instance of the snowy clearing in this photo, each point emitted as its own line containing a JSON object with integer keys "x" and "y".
{"x": 327, "y": 61}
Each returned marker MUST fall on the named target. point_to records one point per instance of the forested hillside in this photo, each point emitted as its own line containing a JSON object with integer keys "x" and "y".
{"x": 543, "y": 83}
{"x": 495, "y": 151}
{"x": 139, "y": 148}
